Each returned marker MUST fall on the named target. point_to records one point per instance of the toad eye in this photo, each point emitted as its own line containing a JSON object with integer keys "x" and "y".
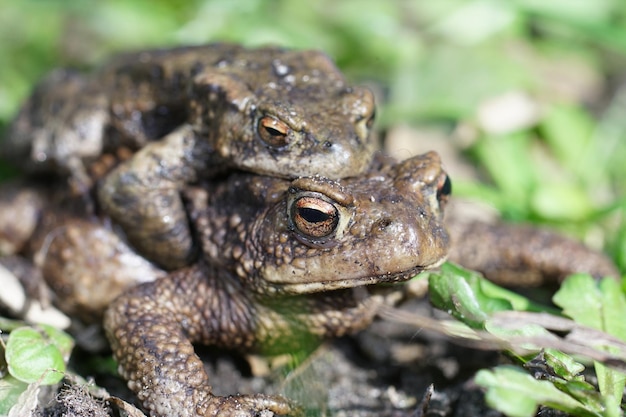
{"x": 314, "y": 217}
{"x": 273, "y": 132}
{"x": 444, "y": 189}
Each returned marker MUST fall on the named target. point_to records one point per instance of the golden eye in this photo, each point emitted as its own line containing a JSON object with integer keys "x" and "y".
{"x": 273, "y": 132}
{"x": 314, "y": 217}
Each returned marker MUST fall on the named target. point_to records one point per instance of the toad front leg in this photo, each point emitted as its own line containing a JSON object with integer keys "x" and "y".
{"x": 151, "y": 330}
{"x": 143, "y": 196}
{"x": 152, "y": 327}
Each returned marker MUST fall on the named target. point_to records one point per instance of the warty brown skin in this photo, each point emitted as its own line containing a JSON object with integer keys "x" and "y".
{"x": 280, "y": 259}
{"x": 47, "y": 229}
{"x": 518, "y": 255}
{"x": 195, "y": 111}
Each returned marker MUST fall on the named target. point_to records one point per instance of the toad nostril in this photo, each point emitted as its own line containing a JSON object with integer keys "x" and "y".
{"x": 382, "y": 224}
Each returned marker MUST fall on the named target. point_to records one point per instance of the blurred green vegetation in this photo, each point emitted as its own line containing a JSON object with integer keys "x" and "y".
{"x": 436, "y": 64}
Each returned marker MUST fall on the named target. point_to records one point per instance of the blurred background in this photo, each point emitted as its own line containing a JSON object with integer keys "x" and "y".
{"x": 525, "y": 99}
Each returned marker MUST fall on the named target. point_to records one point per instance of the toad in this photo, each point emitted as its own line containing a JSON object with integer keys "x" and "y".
{"x": 195, "y": 112}
{"x": 279, "y": 259}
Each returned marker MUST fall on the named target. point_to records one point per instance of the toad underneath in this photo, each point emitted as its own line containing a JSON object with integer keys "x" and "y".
{"x": 279, "y": 259}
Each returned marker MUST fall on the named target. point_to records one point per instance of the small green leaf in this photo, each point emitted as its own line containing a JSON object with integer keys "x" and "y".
{"x": 601, "y": 306}
{"x": 612, "y": 382}
{"x": 60, "y": 339}
{"x": 564, "y": 372}
{"x": 558, "y": 368}
{"x": 614, "y": 308}
{"x": 33, "y": 356}
{"x": 580, "y": 299}
{"x": 458, "y": 292}
{"x": 471, "y": 298}
{"x": 561, "y": 201}
{"x": 563, "y": 365}
{"x": 507, "y": 158}
{"x": 515, "y": 393}
{"x": 10, "y": 390}
{"x": 568, "y": 131}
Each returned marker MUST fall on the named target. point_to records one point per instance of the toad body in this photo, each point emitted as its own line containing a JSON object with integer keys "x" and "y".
{"x": 194, "y": 112}
{"x": 279, "y": 259}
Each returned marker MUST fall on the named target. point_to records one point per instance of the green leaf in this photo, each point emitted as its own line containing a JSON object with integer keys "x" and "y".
{"x": 563, "y": 365}
{"x": 457, "y": 291}
{"x": 611, "y": 384}
{"x": 471, "y": 298}
{"x": 610, "y": 381}
{"x": 37, "y": 355}
{"x": 614, "y": 308}
{"x": 581, "y": 300}
{"x": 561, "y": 201}
{"x": 564, "y": 372}
{"x": 507, "y": 158}
{"x": 515, "y": 393}
{"x": 10, "y": 390}
{"x": 601, "y": 306}
{"x": 568, "y": 131}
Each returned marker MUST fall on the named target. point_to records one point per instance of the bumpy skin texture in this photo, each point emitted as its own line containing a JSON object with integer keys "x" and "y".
{"x": 280, "y": 259}
{"x": 197, "y": 111}
{"x": 20, "y": 208}
{"x": 521, "y": 255}
{"x": 47, "y": 229}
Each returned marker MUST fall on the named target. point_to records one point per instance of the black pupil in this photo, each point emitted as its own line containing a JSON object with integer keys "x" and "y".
{"x": 312, "y": 215}
{"x": 273, "y": 132}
